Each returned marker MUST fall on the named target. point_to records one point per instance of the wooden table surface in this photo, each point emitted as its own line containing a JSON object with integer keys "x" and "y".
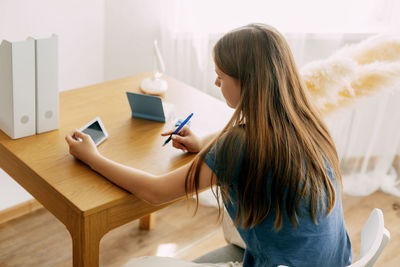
{"x": 87, "y": 203}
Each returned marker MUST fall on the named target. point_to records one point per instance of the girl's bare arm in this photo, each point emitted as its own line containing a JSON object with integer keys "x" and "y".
{"x": 154, "y": 189}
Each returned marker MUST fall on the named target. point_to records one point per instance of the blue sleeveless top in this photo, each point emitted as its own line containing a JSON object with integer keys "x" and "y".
{"x": 323, "y": 244}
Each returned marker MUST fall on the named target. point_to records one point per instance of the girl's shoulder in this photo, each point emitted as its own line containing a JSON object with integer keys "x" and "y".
{"x": 237, "y": 134}
{"x": 229, "y": 144}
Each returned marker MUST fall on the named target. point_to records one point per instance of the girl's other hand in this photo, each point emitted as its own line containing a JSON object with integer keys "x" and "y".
{"x": 81, "y": 146}
{"x": 185, "y": 140}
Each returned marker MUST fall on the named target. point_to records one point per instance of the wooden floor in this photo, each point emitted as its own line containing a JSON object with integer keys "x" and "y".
{"x": 39, "y": 239}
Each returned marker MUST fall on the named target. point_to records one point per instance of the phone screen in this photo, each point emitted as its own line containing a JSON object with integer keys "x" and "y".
{"x": 95, "y": 132}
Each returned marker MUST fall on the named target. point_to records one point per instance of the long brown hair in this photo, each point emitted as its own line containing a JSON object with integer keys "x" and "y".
{"x": 286, "y": 145}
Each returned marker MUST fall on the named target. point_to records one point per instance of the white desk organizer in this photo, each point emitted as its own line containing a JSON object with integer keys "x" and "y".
{"x": 17, "y": 88}
{"x": 29, "y": 86}
{"x": 47, "y": 102}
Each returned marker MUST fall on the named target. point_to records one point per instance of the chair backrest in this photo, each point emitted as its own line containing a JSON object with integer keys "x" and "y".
{"x": 374, "y": 238}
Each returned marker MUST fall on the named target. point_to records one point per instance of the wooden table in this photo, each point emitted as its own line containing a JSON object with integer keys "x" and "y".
{"x": 87, "y": 203}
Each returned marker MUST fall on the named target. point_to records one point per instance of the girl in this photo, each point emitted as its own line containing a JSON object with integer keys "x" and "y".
{"x": 274, "y": 162}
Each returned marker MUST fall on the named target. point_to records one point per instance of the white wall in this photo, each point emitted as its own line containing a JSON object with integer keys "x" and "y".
{"x": 130, "y": 28}
{"x": 79, "y": 24}
{"x": 80, "y": 27}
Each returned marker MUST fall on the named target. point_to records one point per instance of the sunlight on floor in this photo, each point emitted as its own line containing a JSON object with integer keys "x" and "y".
{"x": 166, "y": 250}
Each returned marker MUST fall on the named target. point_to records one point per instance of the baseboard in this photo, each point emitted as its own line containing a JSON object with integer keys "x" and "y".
{"x": 19, "y": 210}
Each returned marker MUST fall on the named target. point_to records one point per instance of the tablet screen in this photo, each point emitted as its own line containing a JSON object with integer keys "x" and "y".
{"x": 94, "y": 130}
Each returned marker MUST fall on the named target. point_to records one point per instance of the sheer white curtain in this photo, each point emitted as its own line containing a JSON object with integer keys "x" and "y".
{"x": 314, "y": 29}
{"x": 368, "y": 143}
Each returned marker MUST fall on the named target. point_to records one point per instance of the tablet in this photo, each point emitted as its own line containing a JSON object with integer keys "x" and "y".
{"x": 96, "y": 130}
{"x": 146, "y": 107}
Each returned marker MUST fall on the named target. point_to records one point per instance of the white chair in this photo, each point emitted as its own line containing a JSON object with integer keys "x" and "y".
{"x": 374, "y": 238}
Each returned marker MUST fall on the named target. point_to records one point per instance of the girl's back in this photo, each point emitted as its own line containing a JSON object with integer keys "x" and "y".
{"x": 308, "y": 244}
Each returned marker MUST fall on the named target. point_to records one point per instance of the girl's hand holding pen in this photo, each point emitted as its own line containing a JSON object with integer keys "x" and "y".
{"x": 185, "y": 140}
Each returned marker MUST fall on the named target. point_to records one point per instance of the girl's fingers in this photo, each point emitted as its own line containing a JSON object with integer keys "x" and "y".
{"x": 178, "y": 145}
{"x": 167, "y": 133}
{"x": 182, "y": 131}
{"x": 80, "y": 135}
{"x": 70, "y": 140}
{"x": 179, "y": 139}
{"x": 171, "y": 132}
{"x": 179, "y": 142}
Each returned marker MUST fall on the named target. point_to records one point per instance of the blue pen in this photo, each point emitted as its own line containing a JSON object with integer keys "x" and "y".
{"x": 178, "y": 129}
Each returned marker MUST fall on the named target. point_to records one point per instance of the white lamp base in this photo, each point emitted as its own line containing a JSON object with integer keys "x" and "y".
{"x": 154, "y": 86}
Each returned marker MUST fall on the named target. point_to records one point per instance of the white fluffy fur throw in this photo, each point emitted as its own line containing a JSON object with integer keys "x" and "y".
{"x": 355, "y": 71}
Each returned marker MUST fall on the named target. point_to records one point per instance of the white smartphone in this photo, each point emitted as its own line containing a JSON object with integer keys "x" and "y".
{"x": 96, "y": 130}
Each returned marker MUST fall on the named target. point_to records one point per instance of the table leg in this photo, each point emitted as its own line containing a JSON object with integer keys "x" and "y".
{"x": 147, "y": 222}
{"x": 86, "y": 235}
